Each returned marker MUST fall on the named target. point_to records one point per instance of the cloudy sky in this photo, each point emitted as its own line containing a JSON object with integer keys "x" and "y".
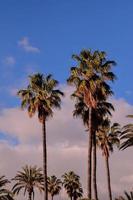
{"x": 41, "y": 36}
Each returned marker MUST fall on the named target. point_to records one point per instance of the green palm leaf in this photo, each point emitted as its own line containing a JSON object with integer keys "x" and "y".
{"x": 28, "y": 179}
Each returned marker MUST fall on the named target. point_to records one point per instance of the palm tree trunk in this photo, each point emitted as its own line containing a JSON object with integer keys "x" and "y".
{"x": 108, "y": 177}
{"x": 33, "y": 194}
{"x": 74, "y": 198}
{"x": 30, "y": 193}
{"x": 45, "y": 159}
{"x": 94, "y": 167}
{"x": 89, "y": 156}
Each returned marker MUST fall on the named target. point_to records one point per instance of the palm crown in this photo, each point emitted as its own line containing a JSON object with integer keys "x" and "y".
{"x": 102, "y": 110}
{"x": 90, "y": 76}
{"x": 4, "y": 193}
{"x": 28, "y": 179}
{"x": 41, "y": 96}
{"x": 107, "y": 136}
{"x": 72, "y": 185}
{"x": 127, "y": 135}
{"x": 54, "y": 185}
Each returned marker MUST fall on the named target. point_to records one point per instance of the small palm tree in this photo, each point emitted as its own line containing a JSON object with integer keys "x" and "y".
{"x": 107, "y": 137}
{"x": 41, "y": 96}
{"x": 54, "y": 186}
{"x": 28, "y": 179}
{"x": 72, "y": 185}
{"x": 4, "y": 193}
{"x": 127, "y": 135}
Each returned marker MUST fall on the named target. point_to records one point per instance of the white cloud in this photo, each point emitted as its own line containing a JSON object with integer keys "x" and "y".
{"x": 67, "y": 145}
{"x": 122, "y": 109}
{"x": 19, "y": 125}
{"x": 25, "y": 44}
{"x": 28, "y": 130}
{"x": 9, "y": 60}
{"x": 127, "y": 179}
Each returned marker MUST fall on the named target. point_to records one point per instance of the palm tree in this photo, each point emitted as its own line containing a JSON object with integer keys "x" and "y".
{"x": 54, "y": 186}
{"x": 72, "y": 185}
{"x": 90, "y": 77}
{"x": 41, "y": 96}
{"x": 28, "y": 179}
{"x": 127, "y": 135}
{"x": 128, "y": 196}
{"x": 103, "y": 109}
{"x": 108, "y": 136}
{"x": 4, "y": 193}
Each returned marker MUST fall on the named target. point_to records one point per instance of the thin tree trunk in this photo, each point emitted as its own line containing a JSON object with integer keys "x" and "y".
{"x": 30, "y": 193}
{"x": 52, "y": 197}
{"x": 89, "y": 193}
{"x": 45, "y": 159}
{"x": 33, "y": 194}
{"x": 74, "y": 197}
{"x": 94, "y": 167}
{"x": 108, "y": 177}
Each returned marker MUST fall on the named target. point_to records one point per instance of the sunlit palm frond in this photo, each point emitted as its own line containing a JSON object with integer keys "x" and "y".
{"x": 28, "y": 179}
{"x": 54, "y": 185}
{"x": 127, "y": 135}
{"x": 41, "y": 96}
{"x": 72, "y": 185}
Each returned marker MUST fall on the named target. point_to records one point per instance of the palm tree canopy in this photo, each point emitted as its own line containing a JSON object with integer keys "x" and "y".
{"x": 3, "y": 181}
{"x": 28, "y": 179}
{"x": 54, "y": 185}
{"x": 128, "y": 196}
{"x": 5, "y": 194}
{"x": 107, "y": 136}
{"x": 71, "y": 183}
{"x": 41, "y": 95}
{"x": 127, "y": 135}
{"x": 102, "y": 110}
{"x": 90, "y": 76}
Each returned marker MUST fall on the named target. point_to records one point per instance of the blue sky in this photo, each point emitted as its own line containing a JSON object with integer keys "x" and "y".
{"x": 60, "y": 28}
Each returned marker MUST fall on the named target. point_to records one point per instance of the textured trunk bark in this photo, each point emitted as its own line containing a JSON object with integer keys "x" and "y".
{"x": 108, "y": 177}
{"x": 45, "y": 159}
{"x": 95, "y": 168}
{"x": 30, "y": 193}
{"x": 89, "y": 193}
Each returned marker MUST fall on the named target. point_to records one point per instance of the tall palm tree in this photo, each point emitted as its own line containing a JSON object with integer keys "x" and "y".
{"x": 54, "y": 186}
{"x": 41, "y": 96}
{"x": 90, "y": 77}
{"x": 127, "y": 135}
{"x": 103, "y": 110}
{"x": 5, "y": 194}
{"x": 108, "y": 136}
{"x": 72, "y": 185}
{"x": 28, "y": 179}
